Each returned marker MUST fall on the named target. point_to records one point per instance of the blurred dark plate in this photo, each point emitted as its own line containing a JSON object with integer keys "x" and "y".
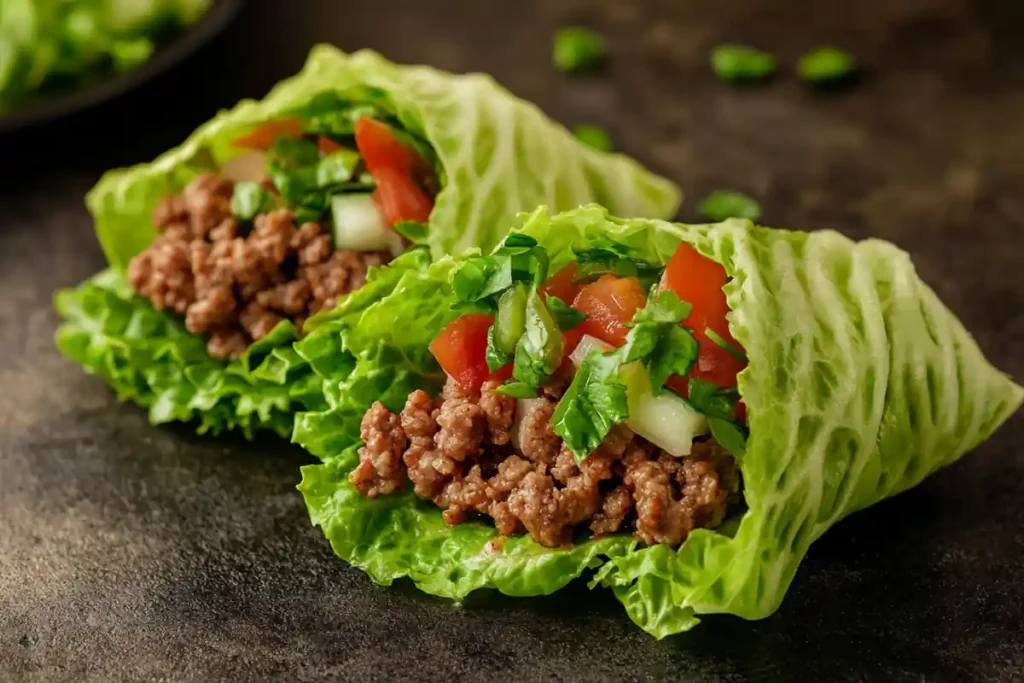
{"x": 34, "y": 112}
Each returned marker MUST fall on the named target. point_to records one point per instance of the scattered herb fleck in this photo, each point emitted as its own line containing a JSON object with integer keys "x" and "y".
{"x": 738, "y": 63}
{"x": 825, "y": 65}
{"x": 413, "y": 231}
{"x": 594, "y": 136}
{"x": 723, "y": 204}
{"x": 577, "y": 48}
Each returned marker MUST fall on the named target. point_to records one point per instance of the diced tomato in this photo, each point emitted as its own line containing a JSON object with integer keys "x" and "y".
{"x": 380, "y": 148}
{"x": 264, "y": 135}
{"x": 678, "y": 384}
{"x": 394, "y": 167}
{"x": 327, "y": 145}
{"x": 699, "y": 280}
{"x": 562, "y": 284}
{"x": 400, "y": 198}
{"x": 609, "y": 303}
{"x": 461, "y": 350}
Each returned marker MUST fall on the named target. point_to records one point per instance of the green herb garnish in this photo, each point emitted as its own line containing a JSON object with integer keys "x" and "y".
{"x": 593, "y": 263}
{"x": 596, "y": 400}
{"x": 539, "y": 349}
{"x": 738, "y": 63}
{"x": 729, "y": 436}
{"x": 336, "y": 168}
{"x": 593, "y": 136}
{"x": 578, "y": 48}
{"x": 719, "y": 405}
{"x": 568, "y": 318}
{"x": 712, "y": 400}
{"x": 825, "y": 65}
{"x": 720, "y": 340}
{"x": 414, "y": 231}
{"x": 518, "y": 259}
{"x": 290, "y": 154}
{"x": 249, "y": 200}
{"x": 723, "y": 204}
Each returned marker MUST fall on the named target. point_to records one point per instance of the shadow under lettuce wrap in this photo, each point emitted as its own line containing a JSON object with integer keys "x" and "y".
{"x": 860, "y": 384}
{"x": 495, "y": 154}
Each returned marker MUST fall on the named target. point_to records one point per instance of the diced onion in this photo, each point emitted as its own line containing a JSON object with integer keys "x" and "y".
{"x": 359, "y": 223}
{"x": 666, "y": 420}
{"x": 586, "y": 345}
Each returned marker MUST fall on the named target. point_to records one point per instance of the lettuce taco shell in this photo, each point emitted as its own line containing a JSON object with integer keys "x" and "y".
{"x": 860, "y": 384}
{"x": 497, "y": 155}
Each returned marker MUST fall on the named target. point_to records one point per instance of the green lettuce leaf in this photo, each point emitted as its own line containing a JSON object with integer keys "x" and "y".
{"x": 497, "y": 155}
{"x": 150, "y": 358}
{"x": 860, "y": 384}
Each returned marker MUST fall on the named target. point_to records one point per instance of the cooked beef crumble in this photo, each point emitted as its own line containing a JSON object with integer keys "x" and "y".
{"x": 236, "y": 287}
{"x": 456, "y": 452}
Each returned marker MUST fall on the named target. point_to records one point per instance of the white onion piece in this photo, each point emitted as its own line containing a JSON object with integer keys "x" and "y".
{"x": 666, "y": 420}
{"x": 586, "y": 345}
{"x": 523, "y": 406}
{"x": 359, "y": 223}
{"x": 248, "y": 167}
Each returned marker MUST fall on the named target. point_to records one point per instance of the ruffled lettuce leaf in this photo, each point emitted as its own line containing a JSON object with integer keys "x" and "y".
{"x": 860, "y": 384}
{"x": 497, "y": 155}
{"x": 151, "y": 359}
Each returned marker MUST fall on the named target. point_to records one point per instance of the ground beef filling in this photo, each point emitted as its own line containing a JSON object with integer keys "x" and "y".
{"x": 456, "y": 451}
{"x": 235, "y": 284}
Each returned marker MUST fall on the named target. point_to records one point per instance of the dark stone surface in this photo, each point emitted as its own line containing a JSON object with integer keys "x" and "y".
{"x": 134, "y": 553}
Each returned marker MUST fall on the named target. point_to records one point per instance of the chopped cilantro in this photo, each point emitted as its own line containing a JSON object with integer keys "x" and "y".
{"x": 596, "y": 400}
{"x": 713, "y": 400}
{"x": 249, "y": 200}
{"x": 593, "y": 263}
{"x": 518, "y": 259}
{"x": 729, "y": 436}
{"x": 336, "y": 168}
{"x": 567, "y": 317}
{"x": 413, "y": 231}
{"x": 720, "y": 340}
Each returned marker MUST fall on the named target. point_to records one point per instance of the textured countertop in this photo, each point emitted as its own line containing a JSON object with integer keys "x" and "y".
{"x": 129, "y": 552}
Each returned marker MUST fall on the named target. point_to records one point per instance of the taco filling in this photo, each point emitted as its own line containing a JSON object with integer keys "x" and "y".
{"x": 600, "y": 399}
{"x": 287, "y": 227}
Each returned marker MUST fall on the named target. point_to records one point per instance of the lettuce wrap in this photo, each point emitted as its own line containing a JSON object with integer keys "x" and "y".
{"x": 860, "y": 383}
{"x": 490, "y": 154}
